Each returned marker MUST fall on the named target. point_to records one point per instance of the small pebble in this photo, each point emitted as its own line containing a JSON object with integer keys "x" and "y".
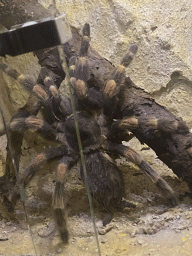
{"x": 9, "y": 223}
{"x": 59, "y": 250}
{"x": 140, "y": 241}
{"x": 133, "y": 234}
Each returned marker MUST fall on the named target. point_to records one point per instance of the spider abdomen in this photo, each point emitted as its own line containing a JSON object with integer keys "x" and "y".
{"x": 105, "y": 180}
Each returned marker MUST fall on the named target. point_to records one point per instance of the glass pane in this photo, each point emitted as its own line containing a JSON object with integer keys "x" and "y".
{"x": 95, "y": 134}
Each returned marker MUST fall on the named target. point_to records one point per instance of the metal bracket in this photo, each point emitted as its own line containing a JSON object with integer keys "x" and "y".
{"x": 35, "y": 35}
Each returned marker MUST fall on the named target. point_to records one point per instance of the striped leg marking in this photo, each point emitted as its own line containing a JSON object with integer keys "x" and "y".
{"x": 135, "y": 158}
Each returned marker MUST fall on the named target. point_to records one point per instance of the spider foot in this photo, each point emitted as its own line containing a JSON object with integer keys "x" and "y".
{"x": 9, "y": 192}
{"x": 125, "y": 204}
{"x": 172, "y": 200}
{"x": 167, "y": 191}
{"x": 10, "y": 199}
{"x": 85, "y": 41}
{"x": 104, "y": 226}
{"x": 129, "y": 56}
{"x": 61, "y": 224}
{"x": 22, "y": 124}
{"x": 108, "y": 217}
{"x": 64, "y": 236}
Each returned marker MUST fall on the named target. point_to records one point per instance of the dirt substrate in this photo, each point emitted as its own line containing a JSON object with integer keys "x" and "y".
{"x": 152, "y": 228}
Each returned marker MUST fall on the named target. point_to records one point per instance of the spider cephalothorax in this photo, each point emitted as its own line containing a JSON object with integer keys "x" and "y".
{"x": 97, "y": 103}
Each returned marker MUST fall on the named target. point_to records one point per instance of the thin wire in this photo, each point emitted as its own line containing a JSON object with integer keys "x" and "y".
{"x": 21, "y": 188}
{"x": 66, "y": 70}
{"x": 54, "y": 10}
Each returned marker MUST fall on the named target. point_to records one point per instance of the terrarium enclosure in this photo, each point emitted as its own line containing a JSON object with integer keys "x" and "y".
{"x": 157, "y": 94}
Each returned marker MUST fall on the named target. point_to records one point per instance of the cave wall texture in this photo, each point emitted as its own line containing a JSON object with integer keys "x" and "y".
{"x": 161, "y": 29}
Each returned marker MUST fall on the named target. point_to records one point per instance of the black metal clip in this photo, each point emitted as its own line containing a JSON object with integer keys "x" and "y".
{"x": 35, "y": 35}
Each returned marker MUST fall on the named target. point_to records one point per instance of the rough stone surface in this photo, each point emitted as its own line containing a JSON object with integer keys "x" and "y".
{"x": 163, "y": 66}
{"x": 161, "y": 29}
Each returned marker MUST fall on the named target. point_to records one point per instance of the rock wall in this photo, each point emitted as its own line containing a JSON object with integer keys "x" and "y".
{"x": 161, "y": 29}
{"x": 163, "y": 66}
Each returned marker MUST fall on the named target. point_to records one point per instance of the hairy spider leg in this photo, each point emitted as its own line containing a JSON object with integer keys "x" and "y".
{"x": 72, "y": 67}
{"x": 25, "y": 81}
{"x": 24, "y": 118}
{"x": 94, "y": 99}
{"x": 35, "y": 124}
{"x": 117, "y": 77}
{"x": 9, "y": 71}
{"x": 39, "y": 161}
{"x": 79, "y": 69}
{"x": 90, "y": 98}
{"x": 160, "y": 124}
{"x": 86, "y": 39}
{"x": 36, "y": 164}
{"x": 30, "y": 108}
{"x": 41, "y": 93}
{"x": 135, "y": 158}
{"x": 81, "y": 77}
{"x": 113, "y": 85}
{"x": 49, "y": 83}
{"x": 63, "y": 167}
{"x": 59, "y": 106}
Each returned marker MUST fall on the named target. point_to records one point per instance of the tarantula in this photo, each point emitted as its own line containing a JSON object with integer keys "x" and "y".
{"x": 101, "y": 134}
